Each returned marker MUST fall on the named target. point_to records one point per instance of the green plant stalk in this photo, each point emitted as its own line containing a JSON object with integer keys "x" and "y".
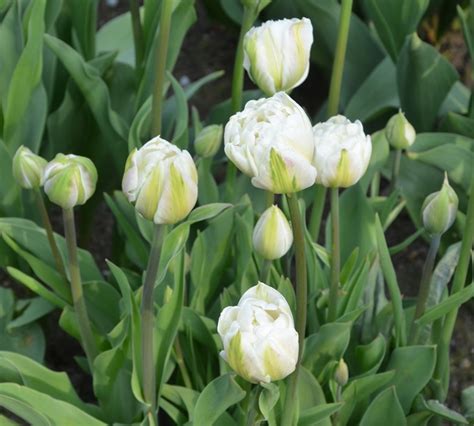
{"x": 181, "y": 364}
{"x": 335, "y": 255}
{"x": 265, "y": 272}
{"x": 269, "y": 199}
{"x": 138, "y": 37}
{"x": 459, "y": 281}
{"x": 85, "y": 330}
{"x": 148, "y": 322}
{"x": 424, "y": 290}
{"x": 160, "y": 65}
{"x": 49, "y": 233}
{"x": 301, "y": 304}
{"x": 317, "y": 211}
{"x": 375, "y": 185}
{"x": 396, "y": 169}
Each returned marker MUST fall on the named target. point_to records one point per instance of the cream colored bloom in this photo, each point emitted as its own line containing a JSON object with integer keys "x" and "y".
{"x": 161, "y": 180}
{"x": 342, "y": 152}
{"x": 276, "y": 54}
{"x": 399, "y": 132}
{"x": 28, "y": 168}
{"x": 272, "y": 235}
{"x": 271, "y": 141}
{"x": 69, "y": 180}
{"x": 260, "y": 341}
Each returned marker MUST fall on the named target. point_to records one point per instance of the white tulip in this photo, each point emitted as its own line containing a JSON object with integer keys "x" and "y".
{"x": 271, "y": 141}
{"x": 161, "y": 180}
{"x": 272, "y": 235}
{"x": 341, "y": 152}
{"x": 276, "y": 54}
{"x": 28, "y": 168}
{"x": 259, "y": 337}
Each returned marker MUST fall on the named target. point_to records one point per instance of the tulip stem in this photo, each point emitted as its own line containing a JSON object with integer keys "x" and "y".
{"x": 335, "y": 255}
{"x": 138, "y": 38}
{"x": 85, "y": 330}
{"x": 317, "y": 211}
{"x": 424, "y": 290}
{"x": 301, "y": 304}
{"x": 49, "y": 233}
{"x": 265, "y": 271}
{"x": 459, "y": 280}
{"x": 375, "y": 185}
{"x": 160, "y": 65}
{"x": 181, "y": 364}
{"x": 396, "y": 169}
{"x": 148, "y": 320}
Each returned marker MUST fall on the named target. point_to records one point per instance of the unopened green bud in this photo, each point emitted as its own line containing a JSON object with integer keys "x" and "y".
{"x": 341, "y": 375}
{"x": 28, "y": 168}
{"x": 399, "y": 132}
{"x": 69, "y": 180}
{"x": 439, "y": 209}
{"x": 209, "y": 140}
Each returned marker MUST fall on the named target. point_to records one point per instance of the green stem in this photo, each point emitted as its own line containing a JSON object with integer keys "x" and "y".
{"x": 424, "y": 290}
{"x": 85, "y": 330}
{"x": 375, "y": 185}
{"x": 148, "y": 320}
{"x": 269, "y": 199}
{"x": 50, "y": 234}
{"x": 301, "y": 304}
{"x": 317, "y": 211}
{"x": 396, "y": 169}
{"x": 265, "y": 272}
{"x": 335, "y": 255}
{"x": 138, "y": 37}
{"x": 160, "y": 65}
{"x": 181, "y": 364}
{"x": 459, "y": 281}
{"x": 339, "y": 58}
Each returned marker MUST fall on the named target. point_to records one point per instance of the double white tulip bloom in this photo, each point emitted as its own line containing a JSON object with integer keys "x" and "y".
{"x": 271, "y": 141}
{"x": 28, "y": 168}
{"x": 259, "y": 337}
{"x": 272, "y": 235}
{"x": 276, "y": 54}
{"x": 342, "y": 152}
{"x": 161, "y": 180}
{"x": 69, "y": 180}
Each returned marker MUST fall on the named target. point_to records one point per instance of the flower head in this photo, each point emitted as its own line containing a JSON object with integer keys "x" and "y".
{"x": 28, "y": 168}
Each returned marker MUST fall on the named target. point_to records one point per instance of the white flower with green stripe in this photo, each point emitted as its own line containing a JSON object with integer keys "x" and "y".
{"x": 28, "y": 168}
{"x": 161, "y": 180}
{"x": 259, "y": 337}
{"x": 271, "y": 141}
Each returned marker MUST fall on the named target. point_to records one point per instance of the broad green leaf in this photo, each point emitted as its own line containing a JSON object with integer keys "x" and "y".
{"x": 36, "y": 308}
{"x": 208, "y": 192}
{"x": 457, "y": 123}
{"x": 215, "y": 399}
{"x": 419, "y": 419}
{"x": 24, "y": 411}
{"x": 268, "y": 398}
{"x": 385, "y": 409}
{"x": 9, "y": 189}
{"x": 312, "y": 416}
{"x": 310, "y": 392}
{"x": 180, "y": 116}
{"x": 467, "y": 401}
{"x": 438, "y": 409}
{"x": 180, "y": 396}
{"x": 102, "y": 301}
{"x": 457, "y": 100}
{"x": 369, "y": 357}
{"x": 84, "y": 22}
{"x": 424, "y": 78}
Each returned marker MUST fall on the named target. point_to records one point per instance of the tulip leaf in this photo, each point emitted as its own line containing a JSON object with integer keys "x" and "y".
{"x": 215, "y": 399}
{"x": 181, "y": 115}
{"x": 35, "y": 309}
{"x": 84, "y": 22}
{"x": 385, "y": 409}
{"x": 419, "y": 419}
{"x": 268, "y": 398}
{"x": 314, "y": 415}
{"x": 438, "y": 409}
{"x": 369, "y": 357}
{"x": 467, "y": 402}
{"x": 457, "y": 123}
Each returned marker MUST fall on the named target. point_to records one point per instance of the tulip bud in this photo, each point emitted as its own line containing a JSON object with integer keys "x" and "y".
{"x": 271, "y": 141}
{"x": 209, "y": 140}
{"x": 439, "y": 209}
{"x": 341, "y": 375}
{"x": 259, "y": 337}
{"x": 69, "y": 180}
{"x": 161, "y": 180}
{"x": 341, "y": 152}
{"x": 28, "y": 168}
{"x": 399, "y": 132}
{"x": 272, "y": 235}
{"x": 276, "y": 54}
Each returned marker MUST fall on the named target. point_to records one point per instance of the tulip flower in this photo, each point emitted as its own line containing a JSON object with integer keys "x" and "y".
{"x": 28, "y": 168}
{"x": 342, "y": 152}
{"x": 161, "y": 180}
{"x": 69, "y": 180}
{"x": 260, "y": 341}
{"x": 209, "y": 140}
{"x": 276, "y": 54}
{"x": 399, "y": 132}
{"x": 272, "y": 235}
{"x": 271, "y": 141}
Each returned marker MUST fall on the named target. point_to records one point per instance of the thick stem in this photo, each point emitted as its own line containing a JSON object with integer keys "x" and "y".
{"x": 335, "y": 255}
{"x": 138, "y": 37}
{"x": 269, "y": 199}
{"x": 301, "y": 304}
{"x": 317, "y": 211}
{"x": 85, "y": 330}
{"x": 50, "y": 234}
{"x": 375, "y": 185}
{"x": 459, "y": 281}
{"x": 396, "y": 169}
{"x": 265, "y": 272}
{"x": 160, "y": 65}
{"x": 424, "y": 290}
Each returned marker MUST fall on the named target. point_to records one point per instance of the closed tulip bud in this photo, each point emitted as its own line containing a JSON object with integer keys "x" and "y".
{"x": 399, "y": 132}
{"x": 259, "y": 337}
{"x": 161, "y": 180}
{"x": 28, "y": 168}
{"x": 272, "y": 235}
{"x": 271, "y": 141}
{"x": 69, "y": 180}
{"x": 341, "y": 375}
{"x": 209, "y": 140}
{"x": 342, "y": 152}
{"x": 439, "y": 209}
{"x": 276, "y": 54}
